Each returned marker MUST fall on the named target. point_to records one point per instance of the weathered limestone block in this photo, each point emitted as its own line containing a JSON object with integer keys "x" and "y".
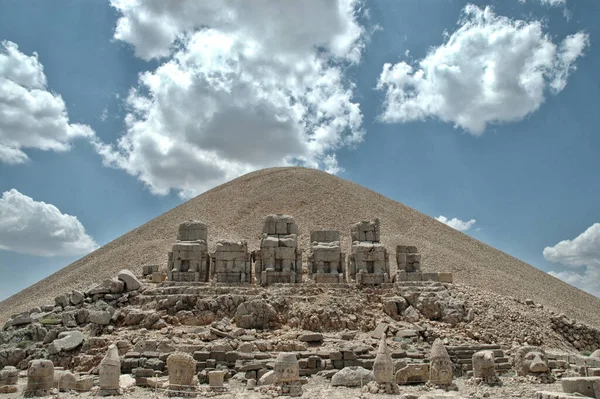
{"x": 232, "y": 263}
{"x": 408, "y": 259}
{"x": 369, "y": 261}
{"x": 588, "y": 386}
{"x": 64, "y": 380}
{"x": 40, "y": 378}
{"x": 326, "y": 262}
{"x": 366, "y": 231}
{"x": 440, "y": 365}
{"x": 215, "y": 379}
{"x": 256, "y": 313}
{"x": 556, "y": 395}
{"x": 278, "y": 260}
{"x": 415, "y": 373}
{"x": 484, "y": 367}
{"x": 189, "y": 259}
{"x": 110, "y": 371}
{"x": 182, "y": 368}
{"x": 531, "y": 360}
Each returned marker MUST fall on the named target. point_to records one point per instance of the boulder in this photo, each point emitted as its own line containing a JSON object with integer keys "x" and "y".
{"x": 131, "y": 282}
{"x": 9, "y": 376}
{"x": 268, "y": 378}
{"x": 256, "y": 313}
{"x": 66, "y": 341}
{"x": 101, "y": 317}
{"x": 22, "y": 319}
{"x": 311, "y": 337}
{"x": 352, "y": 377}
{"x": 76, "y": 297}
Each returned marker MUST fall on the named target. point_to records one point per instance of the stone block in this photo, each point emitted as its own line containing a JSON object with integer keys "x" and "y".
{"x": 430, "y": 276}
{"x": 445, "y": 277}
{"x": 414, "y": 373}
{"x": 588, "y": 386}
{"x": 556, "y": 395}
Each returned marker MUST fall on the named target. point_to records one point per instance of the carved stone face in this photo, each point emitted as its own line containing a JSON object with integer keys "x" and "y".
{"x": 286, "y": 368}
{"x": 530, "y": 360}
{"x": 440, "y": 371}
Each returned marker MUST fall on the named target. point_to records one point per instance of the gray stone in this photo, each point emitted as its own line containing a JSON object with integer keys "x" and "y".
{"x": 589, "y": 386}
{"x": 76, "y": 297}
{"x": 256, "y": 313}
{"x": 352, "y": 377}
{"x": 101, "y": 317}
{"x": 131, "y": 282}
{"x": 311, "y": 337}
{"x": 40, "y": 377}
{"x": 22, "y": 319}
{"x": 64, "y": 380}
{"x": 66, "y": 341}
{"x": 380, "y": 330}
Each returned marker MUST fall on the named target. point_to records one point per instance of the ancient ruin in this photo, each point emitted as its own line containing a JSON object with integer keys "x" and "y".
{"x": 286, "y": 373}
{"x": 278, "y": 260}
{"x": 484, "y": 367}
{"x": 189, "y": 260}
{"x": 532, "y": 361}
{"x": 181, "y": 367}
{"x": 369, "y": 261}
{"x": 40, "y": 378}
{"x": 110, "y": 372}
{"x": 191, "y": 336}
{"x": 326, "y": 261}
{"x": 231, "y": 263}
{"x": 440, "y": 365}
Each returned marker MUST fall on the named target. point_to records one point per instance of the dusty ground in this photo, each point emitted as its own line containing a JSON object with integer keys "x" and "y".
{"x": 317, "y": 200}
{"x": 318, "y": 387}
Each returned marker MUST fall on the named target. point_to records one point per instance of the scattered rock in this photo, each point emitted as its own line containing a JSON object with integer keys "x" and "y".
{"x": 352, "y": 377}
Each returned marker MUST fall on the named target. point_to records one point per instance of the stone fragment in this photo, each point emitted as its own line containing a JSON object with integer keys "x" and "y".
{"x": 596, "y": 354}
{"x": 380, "y": 330}
{"x": 588, "y": 386}
{"x": 556, "y": 395}
{"x": 256, "y": 313}
{"x": 84, "y": 383}
{"x": 484, "y": 367}
{"x": 531, "y": 360}
{"x": 76, "y": 297}
{"x": 110, "y": 372}
{"x": 64, "y": 380}
{"x": 311, "y": 337}
{"x": 414, "y": 373}
{"x": 100, "y": 317}
{"x": 22, "y": 319}
{"x": 9, "y": 375}
{"x": 182, "y": 368}
{"x": 215, "y": 379}
{"x": 440, "y": 365}
{"x": 8, "y": 388}
{"x": 67, "y": 341}
{"x": 269, "y": 378}
{"x": 40, "y": 378}
{"x": 355, "y": 376}
{"x": 131, "y": 282}
{"x": 383, "y": 366}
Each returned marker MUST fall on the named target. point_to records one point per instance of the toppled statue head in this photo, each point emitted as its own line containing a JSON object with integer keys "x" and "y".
{"x": 286, "y": 368}
{"x": 531, "y": 360}
{"x": 440, "y": 365}
{"x": 484, "y": 367}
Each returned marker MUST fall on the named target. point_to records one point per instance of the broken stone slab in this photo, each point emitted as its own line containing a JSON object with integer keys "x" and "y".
{"x": 557, "y": 395}
{"x": 22, "y": 319}
{"x": 67, "y": 341}
{"x": 380, "y": 330}
{"x": 64, "y": 380}
{"x": 101, "y": 317}
{"x": 131, "y": 282}
{"x": 9, "y": 375}
{"x": 352, "y": 377}
{"x": 311, "y": 337}
{"x": 589, "y": 386}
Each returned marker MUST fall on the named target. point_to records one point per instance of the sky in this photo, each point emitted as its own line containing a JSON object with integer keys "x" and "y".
{"x": 481, "y": 114}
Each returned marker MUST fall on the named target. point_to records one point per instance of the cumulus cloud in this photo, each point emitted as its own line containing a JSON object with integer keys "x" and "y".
{"x": 491, "y": 70}
{"x": 36, "y": 228}
{"x": 241, "y": 86}
{"x": 30, "y": 115}
{"x": 456, "y": 223}
{"x": 582, "y": 253}
{"x": 552, "y": 3}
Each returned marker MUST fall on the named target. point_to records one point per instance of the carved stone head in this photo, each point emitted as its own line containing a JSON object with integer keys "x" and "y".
{"x": 286, "y": 368}
{"x": 440, "y": 365}
{"x": 531, "y": 360}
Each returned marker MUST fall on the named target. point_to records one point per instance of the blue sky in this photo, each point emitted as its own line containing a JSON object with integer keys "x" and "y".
{"x": 483, "y": 111}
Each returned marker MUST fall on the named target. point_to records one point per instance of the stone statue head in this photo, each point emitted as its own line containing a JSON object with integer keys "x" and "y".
{"x": 182, "y": 368}
{"x": 483, "y": 364}
{"x": 530, "y": 360}
{"x": 440, "y": 365}
{"x": 286, "y": 368}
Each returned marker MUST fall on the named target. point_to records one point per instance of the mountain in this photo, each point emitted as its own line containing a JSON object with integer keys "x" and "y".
{"x": 317, "y": 200}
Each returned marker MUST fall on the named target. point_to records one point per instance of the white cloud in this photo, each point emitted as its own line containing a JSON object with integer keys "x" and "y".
{"x": 30, "y": 115}
{"x": 583, "y": 252}
{"x": 552, "y": 3}
{"x": 36, "y": 228}
{"x": 241, "y": 86}
{"x": 456, "y": 223}
{"x": 492, "y": 69}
